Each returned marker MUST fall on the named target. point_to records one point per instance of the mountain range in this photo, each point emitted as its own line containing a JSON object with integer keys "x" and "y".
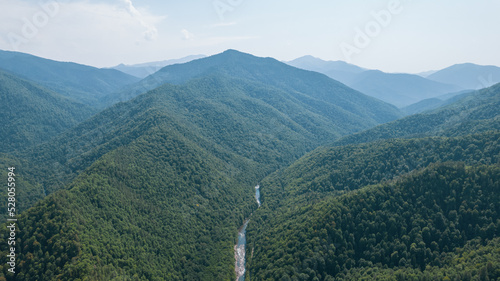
{"x": 84, "y": 84}
{"x": 143, "y": 70}
{"x": 151, "y": 179}
{"x": 402, "y": 89}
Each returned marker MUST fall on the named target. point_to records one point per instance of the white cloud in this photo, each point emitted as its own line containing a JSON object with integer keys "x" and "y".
{"x": 90, "y": 32}
{"x": 151, "y": 32}
{"x": 223, "y": 24}
{"x": 186, "y": 35}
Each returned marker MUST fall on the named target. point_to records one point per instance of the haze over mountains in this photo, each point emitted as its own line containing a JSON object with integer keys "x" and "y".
{"x": 404, "y": 89}
{"x": 122, "y": 178}
{"x": 145, "y": 69}
{"x": 81, "y": 83}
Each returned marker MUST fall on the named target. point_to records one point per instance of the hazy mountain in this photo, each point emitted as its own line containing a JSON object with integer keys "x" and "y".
{"x": 338, "y": 70}
{"x": 433, "y": 103}
{"x": 468, "y": 75}
{"x": 143, "y": 70}
{"x": 473, "y": 113}
{"x": 81, "y": 83}
{"x": 399, "y": 89}
{"x": 426, "y": 73}
{"x": 32, "y": 115}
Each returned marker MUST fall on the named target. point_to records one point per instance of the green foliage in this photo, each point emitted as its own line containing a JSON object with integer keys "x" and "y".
{"x": 341, "y": 169}
{"x": 411, "y": 223}
{"x": 155, "y": 188}
{"x": 313, "y": 92}
{"x": 80, "y": 83}
{"x": 159, "y": 208}
{"x": 27, "y": 193}
{"x": 32, "y": 115}
{"x": 474, "y": 113}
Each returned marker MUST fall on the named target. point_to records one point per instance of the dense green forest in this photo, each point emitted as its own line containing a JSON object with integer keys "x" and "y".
{"x": 473, "y": 113}
{"x": 81, "y": 83}
{"x": 224, "y": 113}
{"x": 156, "y": 186}
{"x": 393, "y": 209}
{"x": 32, "y": 115}
{"x": 409, "y": 228}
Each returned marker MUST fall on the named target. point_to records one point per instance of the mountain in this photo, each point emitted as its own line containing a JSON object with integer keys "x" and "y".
{"x": 426, "y": 73}
{"x": 169, "y": 175}
{"x": 315, "y": 90}
{"x": 468, "y": 75}
{"x": 473, "y": 113}
{"x": 81, "y": 83}
{"x": 399, "y": 89}
{"x": 338, "y": 70}
{"x": 32, "y": 114}
{"x": 145, "y": 69}
{"x": 424, "y": 226}
{"x": 433, "y": 103}
{"x": 374, "y": 207}
{"x": 308, "y": 111}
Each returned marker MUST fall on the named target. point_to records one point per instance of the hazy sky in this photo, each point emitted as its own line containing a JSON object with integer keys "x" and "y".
{"x": 391, "y": 35}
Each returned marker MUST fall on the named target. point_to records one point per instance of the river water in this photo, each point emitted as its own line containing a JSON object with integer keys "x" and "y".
{"x": 239, "y": 249}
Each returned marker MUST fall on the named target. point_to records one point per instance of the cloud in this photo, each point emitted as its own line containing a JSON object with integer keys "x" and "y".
{"x": 99, "y": 33}
{"x": 187, "y": 35}
{"x": 222, "y": 24}
{"x": 151, "y": 32}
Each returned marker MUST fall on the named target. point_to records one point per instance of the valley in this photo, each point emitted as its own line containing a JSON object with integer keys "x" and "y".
{"x": 153, "y": 178}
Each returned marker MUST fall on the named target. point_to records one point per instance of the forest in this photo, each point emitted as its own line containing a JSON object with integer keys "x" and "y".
{"x": 151, "y": 179}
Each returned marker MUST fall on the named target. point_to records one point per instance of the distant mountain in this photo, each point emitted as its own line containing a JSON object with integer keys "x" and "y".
{"x": 468, "y": 75}
{"x": 338, "y": 70}
{"x": 315, "y": 90}
{"x": 32, "y": 114}
{"x": 426, "y": 73}
{"x": 81, "y": 83}
{"x": 472, "y": 113}
{"x": 397, "y": 89}
{"x": 433, "y": 103}
{"x": 145, "y": 69}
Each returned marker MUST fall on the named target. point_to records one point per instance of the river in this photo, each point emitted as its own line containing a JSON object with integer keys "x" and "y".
{"x": 239, "y": 249}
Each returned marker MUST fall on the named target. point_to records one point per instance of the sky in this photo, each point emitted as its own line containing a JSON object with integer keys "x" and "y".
{"x": 391, "y": 35}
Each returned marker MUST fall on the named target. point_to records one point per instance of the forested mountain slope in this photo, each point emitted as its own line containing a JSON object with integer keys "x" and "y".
{"x": 32, "y": 114}
{"x": 81, "y": 83}
{"x": 312, "y": 88}
{"x": 433, "y": 198}
{"x": 474, "y": 113}
{"x": 400, "y": 230}
{"x": 242, "y": 116}
{"x": 155, "y": 188}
